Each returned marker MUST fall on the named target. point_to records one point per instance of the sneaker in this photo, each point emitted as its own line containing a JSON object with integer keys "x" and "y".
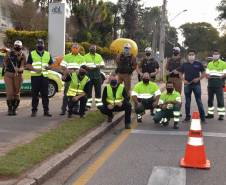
{"x": 221, "y": 118}
{"x": 47, "y": 114}
{"x": 187, "y": 119}
{"x": 139, "y": 118}
{"x": 209, "y": 116}
{"x": 33, "y": 114}
{"x": 127, "y": 126}
{"x": 62, "y": 113}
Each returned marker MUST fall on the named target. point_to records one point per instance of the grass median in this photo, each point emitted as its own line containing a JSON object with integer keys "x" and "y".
{"x": 24, "y": 157}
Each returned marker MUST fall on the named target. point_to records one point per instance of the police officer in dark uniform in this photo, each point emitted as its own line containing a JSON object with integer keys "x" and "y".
{"x": 148, "y": 65}
{"x": 172, "y": 65}
{"x": 39, "y": 62}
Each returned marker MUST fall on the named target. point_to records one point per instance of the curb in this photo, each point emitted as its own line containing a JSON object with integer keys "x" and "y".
{"x": 52, "y": 165}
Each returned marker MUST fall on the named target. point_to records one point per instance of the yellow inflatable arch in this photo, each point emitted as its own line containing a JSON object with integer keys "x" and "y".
{"x": 117, "y": 46}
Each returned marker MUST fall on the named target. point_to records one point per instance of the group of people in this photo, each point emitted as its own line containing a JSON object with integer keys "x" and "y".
{"x": 82, "y": 73}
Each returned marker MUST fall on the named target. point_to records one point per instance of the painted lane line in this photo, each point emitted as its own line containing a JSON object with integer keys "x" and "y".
{"x": 96, "y": 165}
{"x": 177, "y": 133}
{"x": 167, "y": 176}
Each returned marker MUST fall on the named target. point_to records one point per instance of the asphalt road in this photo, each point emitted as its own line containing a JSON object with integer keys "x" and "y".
{"x": 147, "y": 155}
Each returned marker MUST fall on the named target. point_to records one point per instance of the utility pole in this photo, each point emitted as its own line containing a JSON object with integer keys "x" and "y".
{"x": 162, "y": 38}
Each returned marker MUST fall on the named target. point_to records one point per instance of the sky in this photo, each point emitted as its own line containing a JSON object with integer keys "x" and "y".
{"x": 198, "y": 10}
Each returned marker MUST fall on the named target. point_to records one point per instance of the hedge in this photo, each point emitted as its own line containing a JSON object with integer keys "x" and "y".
{"x": 29, "y": 39}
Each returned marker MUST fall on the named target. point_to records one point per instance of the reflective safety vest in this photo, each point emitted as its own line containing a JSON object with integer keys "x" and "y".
{"x": 71, "y": 61}
{"x": 165, "y": 97}
{"x": 40, "y": 62}
{"x": 146, "y": 91}
{"x": 76, "y": 86}
{"x": 94, "y": 60}
{"x": 215, "y": 70}
{"x": 118, "y": 96}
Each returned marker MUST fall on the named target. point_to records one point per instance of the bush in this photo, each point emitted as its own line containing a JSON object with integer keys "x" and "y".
{"x": 29, "y": 38}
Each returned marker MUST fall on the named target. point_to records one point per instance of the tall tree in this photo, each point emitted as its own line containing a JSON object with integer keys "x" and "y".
{"x": 200, "y": 36}
{"x": 222, "y": 10}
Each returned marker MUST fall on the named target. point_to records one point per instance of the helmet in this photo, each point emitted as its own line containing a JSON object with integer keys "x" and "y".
{"x": 176, "y": 49}
{"x": 127, "y": 45}
{"x": 148, "y": 50}
{"x": 139, "y": 109}
{"x": 18, "y": 43}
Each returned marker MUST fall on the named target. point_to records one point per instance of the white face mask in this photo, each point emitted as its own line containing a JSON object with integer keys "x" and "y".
{"x": 216, "y": 57}
{"x": 191, "y": 57}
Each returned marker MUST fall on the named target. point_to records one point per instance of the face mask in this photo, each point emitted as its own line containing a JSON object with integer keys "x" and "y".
{"x": 40, "y": 47}
{"x": 169, "y": 90}
{"x": 175, "y": 53}
{"x": 191, "y": 58}
{"x": 216, "y": 57}
{"x": 93, "y": 51}
{"x": 145, "y": 81}
{"x": 126, "y": 51}
{"x": 148, "y": 54}
{"x": 81, "y": 73}
{"x": 114, "y": 83}
{"x": 16, "y": 48}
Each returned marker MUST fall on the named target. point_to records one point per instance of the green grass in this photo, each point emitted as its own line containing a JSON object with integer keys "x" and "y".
{"x": 24, "y": 157}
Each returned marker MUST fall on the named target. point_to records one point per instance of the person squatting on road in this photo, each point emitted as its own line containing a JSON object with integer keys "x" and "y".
{"x": 148, "y": 65}
{"x": 190, "y": 74}
{"x": 78, "y": 90}
{"x": 116, "y": 99}
{"x": 94, "y": 62}
{"x": 38, "y": 63}
{"x": 126, "y": 64}
{"x": 145, "y": 95}
{"x": 169, "y": 106}
{"x": 216, "y": 74}
{"x": 71, "y": 62}
{"x": 172, "y": 65}
{"x": 13, "y": 66}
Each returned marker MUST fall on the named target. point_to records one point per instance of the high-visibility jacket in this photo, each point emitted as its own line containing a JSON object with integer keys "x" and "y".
{"x": 166, "y": 97}
{"x": 215, "y": 70}
{"x": 76, "y": 86}
{"x": 118, "y": 96}
{"x": 71, "y": 61}
{"x": 40, "y": 62}
{"x": 146, "y": 91}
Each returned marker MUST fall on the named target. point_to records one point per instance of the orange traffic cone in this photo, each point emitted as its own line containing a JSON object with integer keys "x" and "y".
{"x": 195, "y": 155}
{"x": 225, "y": 89}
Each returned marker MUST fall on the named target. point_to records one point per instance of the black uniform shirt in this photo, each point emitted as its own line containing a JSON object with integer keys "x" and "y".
{"x": 104, "y": 95}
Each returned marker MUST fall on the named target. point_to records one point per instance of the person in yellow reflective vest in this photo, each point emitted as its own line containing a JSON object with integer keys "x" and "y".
{"x": 145, "y": 95}
{"x": 116, "y": 99}
{"x": 169, "y": 106}
{"x": 71, "y": 62}
{"x": 94, "y": 62}
{"x": 38, "y": 63}
{"x": 78, "y": 90}
{"x": 216, "y": 74}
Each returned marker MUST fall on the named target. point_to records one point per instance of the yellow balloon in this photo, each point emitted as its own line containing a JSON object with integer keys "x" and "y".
{"x": 117, "y": 45}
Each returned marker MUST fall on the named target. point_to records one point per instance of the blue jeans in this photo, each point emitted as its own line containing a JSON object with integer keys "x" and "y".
{"x": 196, "y": 89}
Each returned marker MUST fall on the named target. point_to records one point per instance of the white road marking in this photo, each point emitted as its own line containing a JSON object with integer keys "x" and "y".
{"x": 177, "y": 133}
{"x": 167, "y": 176}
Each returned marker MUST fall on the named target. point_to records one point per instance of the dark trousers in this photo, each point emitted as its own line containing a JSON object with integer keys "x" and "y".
{"x": 147, "y": 103}
{"x": 126, "y": 106}
{"x": 220, "y": 98}
{"x": 65, "y": 99}
{"x": 39, "y": 84}
{"x": 71, "y": 104}
{"x": 97, "y": 87}
{"x": 196, "y": 89}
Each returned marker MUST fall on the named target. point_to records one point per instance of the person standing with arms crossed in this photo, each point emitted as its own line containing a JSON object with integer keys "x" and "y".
{"x": 13, "y": 66}
{"x": 38, "y": 63}
{"x": 190, "y": 74}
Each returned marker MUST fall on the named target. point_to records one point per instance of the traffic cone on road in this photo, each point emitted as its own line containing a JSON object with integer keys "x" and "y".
{"x": 225, "y": 89}
{"x": 195, "y": 155}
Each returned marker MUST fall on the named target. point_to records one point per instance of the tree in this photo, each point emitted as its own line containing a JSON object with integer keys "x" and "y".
{"x": 130, "y": 11}
{"x": 200, "y": 36}
{"x": 222, "y": 10}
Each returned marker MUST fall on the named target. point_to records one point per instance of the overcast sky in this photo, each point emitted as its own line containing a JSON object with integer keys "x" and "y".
{"x": 198, "y": 10}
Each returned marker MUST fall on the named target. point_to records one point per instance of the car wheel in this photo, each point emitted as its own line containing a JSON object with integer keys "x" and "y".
{"x": 52, "y": 89}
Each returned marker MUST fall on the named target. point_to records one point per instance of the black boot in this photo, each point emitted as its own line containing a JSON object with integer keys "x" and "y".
{"x": 15, "y": 106}
{"x": 10, "y": 107}
{"x": 175, "y": 126}
{"x": 221, "y": 118}
{"x": 209, "y": 116}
